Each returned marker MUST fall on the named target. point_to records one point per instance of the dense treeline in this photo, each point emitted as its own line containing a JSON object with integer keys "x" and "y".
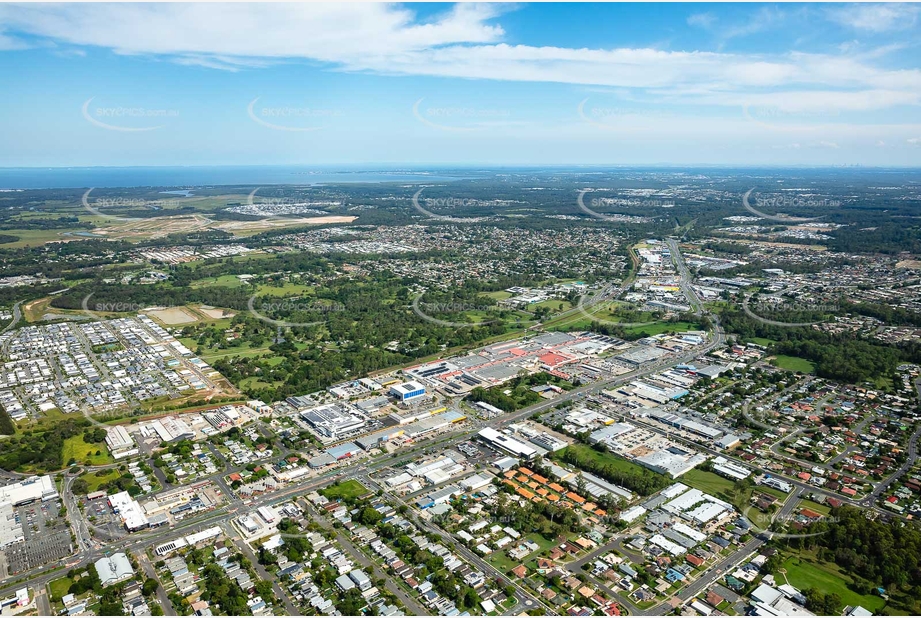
{"x": 838, "y": 356}
{"x": 892, "y": 316}
{"x": 40, "y": 450}
{"x": 7, "y": 427}
{"x": 521, "y": 393}
{"x": 642, "y": 481}
{"x": 890, "y": 238}
{"x": 886, "y": 554}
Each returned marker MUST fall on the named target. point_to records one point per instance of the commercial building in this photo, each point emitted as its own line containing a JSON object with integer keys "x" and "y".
{"x": 128, "y": 509}
{"x": 113, "y": 569}
{"x": 267, "y": 514}
{"x": 342, "y": 451}
{"x": 334, "y": 420}
{"x": 408, "y": 391}
{"x": 505, "y": 443}
{"x": 31, "y": 489}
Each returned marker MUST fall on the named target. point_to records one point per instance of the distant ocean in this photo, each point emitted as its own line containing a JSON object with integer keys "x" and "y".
{"x": 77, "y": 177}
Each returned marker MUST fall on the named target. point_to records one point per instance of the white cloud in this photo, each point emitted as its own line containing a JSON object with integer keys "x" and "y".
{"x": 702, "y": 20}
{"x": 464, "y": 42}
{"x": 875, "y": 17}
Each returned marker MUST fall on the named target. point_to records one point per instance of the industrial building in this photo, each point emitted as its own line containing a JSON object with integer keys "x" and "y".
{"x": 342, "y": 451}
{"x": 408, "y": 391}
{"x": 169, "y": 429}
{"x": 120, "y": 442}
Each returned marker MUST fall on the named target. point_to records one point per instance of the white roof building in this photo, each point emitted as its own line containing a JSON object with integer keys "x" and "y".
{"x": 29, "y": 490}
{"x": 113, "y": 569}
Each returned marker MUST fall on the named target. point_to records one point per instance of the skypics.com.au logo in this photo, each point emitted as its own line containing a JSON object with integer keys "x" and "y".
{"x": 459, "y": 118}
{"x": 783, "y": 306}
{"x": 792, "y": 202}
{"x": 93, "y": 206}
{"x": 126, "y": 119}
{"x": 291, "y": 307}
{"x": 607, "y": 202}
{"x": 288, "y": 118}
{"x": 450, "y": 202}
{"x": 420, "y": 308}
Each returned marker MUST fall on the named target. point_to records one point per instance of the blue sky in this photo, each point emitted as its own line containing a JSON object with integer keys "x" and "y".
{"x": 509, "y": 84}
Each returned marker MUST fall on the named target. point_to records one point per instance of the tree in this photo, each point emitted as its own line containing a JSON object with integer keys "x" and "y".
{"x": 150, "y": 587}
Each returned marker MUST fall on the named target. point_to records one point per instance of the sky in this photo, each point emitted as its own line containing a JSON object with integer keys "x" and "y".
{"x": 460, "y": 84}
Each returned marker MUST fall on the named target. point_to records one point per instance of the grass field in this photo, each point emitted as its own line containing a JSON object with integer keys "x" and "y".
{"x": 57, "y": 588}
{"x": 815, "y": 506}
{"x": 724, "y": 488}
{"x": 554, "y": 304}
{"x": 348, "y": 489}
{"x": 606, "y": 458}
{"x": 230, "y": 281}
{"x": 793, "y": 363}
{"x": 804, "y": 574}
{"x": 707, "y": 482}
{"x": 288, "y": 289}
{"x": 762, "y": 341}
{"x": 664, "y": 327}
{"x": 94, "y": 482}
{"x": 76, "y": 448}
{"x": 245, "y": 350}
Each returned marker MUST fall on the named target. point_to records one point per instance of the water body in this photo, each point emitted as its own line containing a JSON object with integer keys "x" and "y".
{"x": 77, "y": 177}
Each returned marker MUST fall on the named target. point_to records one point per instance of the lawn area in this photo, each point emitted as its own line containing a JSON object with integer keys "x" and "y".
{"x": 707, "y": 482}
{"x": 94, "y": 482}
{"x": 815, "y": 506}
{"x": 607, "y": 459}
{"x": 804, "y": 574}
{"x": 763, "y": 341}
{"x": 793, "y": 363}
{"x": 554, "y": 304}
{"x": 348, "y": 489}
{"x": 75, "y": 448}
{"x": 244, "y": 350}
{"x": 664, "y": 327}
{"x": 288, "y": 289}
{"x": 716, "y": 485}
{"x": 500, "y": 295}
{"x": 57, "y": 588}
{"x": 502, "y": 562}
{"x": 230, "y": 281}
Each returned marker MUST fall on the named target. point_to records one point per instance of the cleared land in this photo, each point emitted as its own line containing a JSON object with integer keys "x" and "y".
{"x": 805, "y": 573}
{"x": 350, "y": 489}
{"x": 85, "y": 453}
{"x": 793, "y": 363}
{"x": 173, "y": 315}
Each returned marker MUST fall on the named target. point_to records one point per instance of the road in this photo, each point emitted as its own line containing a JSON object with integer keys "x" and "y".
{"x": 686, "y": 283}
{"x": 373, "y": 569}
{"x": 17, "y": 315}
{"x": 151, "y": 573}
{"x": 264, "y": 575}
